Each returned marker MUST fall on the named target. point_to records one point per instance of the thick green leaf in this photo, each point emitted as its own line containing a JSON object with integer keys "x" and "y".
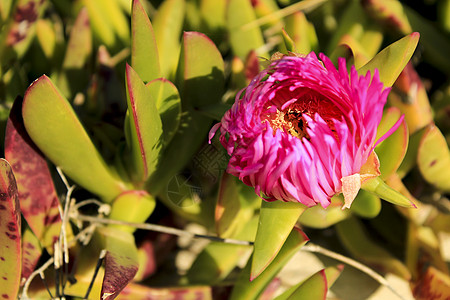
{"x": 276, "y": 221}
{"x": 64, "y": 141}
{"x": 144, "y": 52}
{"x": 109, "y": 23}
{"x": 31, "y": 253}
{"x": 433, "y": 158}
{"x": 132, "y": 206}
{"x": 298, "y": 28}
{"x": 243, "y": 40}
{"x": 168, "y": 104}
{"x": 135, "y": 291}
{"x": 357, "y": 241}
{"x": 121, "y": 261}
{"x": 392, "y": 59}
{"x": 228, "y": 205}
{"x": 38, "y": 199}
{"x": 10, "y": 233}
{"x": 392, "y": 150}
{"x": 74, "y": 76}
{"x": 145, "y": 126}
{"x": 5, "y": 7}
{"x": 200, "y": 81}
{"x": 313, "y": 287}
{"x": 385, "y": 192}
{"x": 168, "y": 24}
{"x": 217, "y": 260}
{"x": 250, "y": 289}
{"x": 200, "y": 78}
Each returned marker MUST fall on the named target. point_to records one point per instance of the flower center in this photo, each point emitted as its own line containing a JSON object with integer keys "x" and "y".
{"x": 290, "y": 118}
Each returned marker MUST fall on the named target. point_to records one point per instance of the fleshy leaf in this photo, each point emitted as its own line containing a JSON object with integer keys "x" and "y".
{"x": 145, "y": 125}
{"x": 433, "y": 158}
{"x": 31, "y": 253}
{"x": 144, "y": 52}
{"x": 109, "y": 23}
{"x": 276, "y": 221}
{"x": 132, "y": 206}
{"x": 141, "y": 292}
{"x": 218, "y": 259}
{"x": 433, "y": 284}
{"x": 392, "y": 59}
{"x": 382, "y": 190}
{"x": 37, "y": 194}
{"x": 392, "y": 150}
{"x": 74, "y": 76}
{"x": 245, "y": 289}
{"x": 313, "y": 287}
{"x": 10, "y": 233}
{"x": 168, "y": 24}
{"x": 64, "y": 141}
{"x": 121, "y": 262}
{"x": 228, "y": 205}
{"x": 200, "y": 78}
{"x": 410, "y": 159}
{"x": 358, "y": 243}
{"x": 168, "y": 104}
{"x": 243, "y": 39}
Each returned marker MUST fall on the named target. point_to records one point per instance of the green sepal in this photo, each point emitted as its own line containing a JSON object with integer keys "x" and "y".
{"x": 391, "y": 60}
{"x": 392, "y": 150}
{"x": 381, "y": 189}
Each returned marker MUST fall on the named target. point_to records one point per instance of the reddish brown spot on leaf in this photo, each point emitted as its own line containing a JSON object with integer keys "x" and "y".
{"x": 4, "y": 278}
{"x": 433, "y": 163}
{"x": 3, "y": 197}
{"x": 11, "y": 236}
{"x": 117, "y": 276}
{"x": 5, "y": 296}
{"x": 2, "y": 207}
{"x": 2, "y": 258}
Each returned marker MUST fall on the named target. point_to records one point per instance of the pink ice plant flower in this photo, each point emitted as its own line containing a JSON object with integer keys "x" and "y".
{"x": 302, "y": 130}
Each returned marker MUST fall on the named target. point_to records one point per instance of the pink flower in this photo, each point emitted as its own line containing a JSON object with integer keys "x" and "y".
{"x": 302, "y": 130}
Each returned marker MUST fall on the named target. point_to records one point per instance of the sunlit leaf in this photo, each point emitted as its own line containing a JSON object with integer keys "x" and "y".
{"x": 433, "y": 158}
{"x": 246, "y": 289}
{"x": 168, "y": 24}
{"x": 144, "y": 52}
{"x": 10, "y": 233}
{"x": 276, "y": 221}
{"x": 382, "y": 190}
{"x": 64, "y": 141}
{"x": 243, "y": 39}
{"x": 145, "y": 126}
{"x": 168, "y": 104}
{"x": 121, "y": 261}
{"x": 392, "y": 59}
{"x": 132, "y": 206}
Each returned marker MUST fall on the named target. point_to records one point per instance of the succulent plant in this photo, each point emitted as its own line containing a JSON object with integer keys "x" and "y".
{"x": 109, "y": 153}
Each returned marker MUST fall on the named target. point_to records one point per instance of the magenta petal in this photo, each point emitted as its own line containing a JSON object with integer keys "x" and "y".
{"x": 302, "y": 125}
